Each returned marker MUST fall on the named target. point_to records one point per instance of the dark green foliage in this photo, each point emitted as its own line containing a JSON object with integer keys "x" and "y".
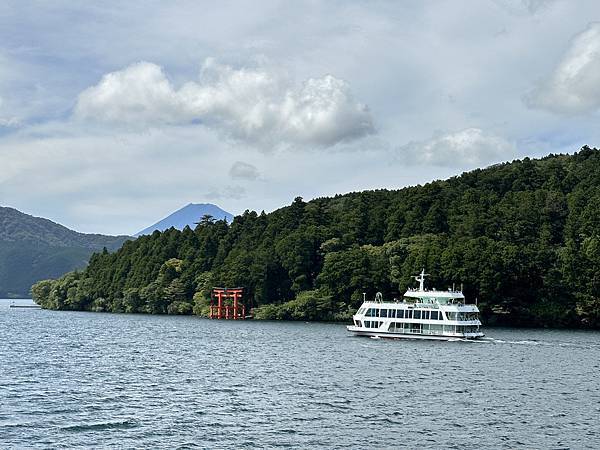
{"x": 32, "y": 249}
{"x": 309, "y": 305}
{"x": 523, "y": 237}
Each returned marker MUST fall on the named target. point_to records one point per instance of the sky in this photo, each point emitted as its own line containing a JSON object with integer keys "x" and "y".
{"x": 115, "y": 114}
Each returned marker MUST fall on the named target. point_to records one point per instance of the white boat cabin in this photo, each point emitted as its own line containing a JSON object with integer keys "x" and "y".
{"x": 421, "y": 314}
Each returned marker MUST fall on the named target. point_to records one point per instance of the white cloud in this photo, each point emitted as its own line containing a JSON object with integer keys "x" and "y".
{"x": 469, "y": 147}
{"x": 574, "y": 87}
{"x": 391, "y": 54}
{"x": 140, "y": 94}
{"x": 258, "y": 106}
{"x": 243, "y": 171}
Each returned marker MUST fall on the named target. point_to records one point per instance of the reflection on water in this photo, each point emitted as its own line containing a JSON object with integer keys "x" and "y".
{"x": 88, "y": 380}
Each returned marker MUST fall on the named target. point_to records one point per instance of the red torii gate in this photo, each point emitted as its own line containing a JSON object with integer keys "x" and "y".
{"x": 222, "y": 310}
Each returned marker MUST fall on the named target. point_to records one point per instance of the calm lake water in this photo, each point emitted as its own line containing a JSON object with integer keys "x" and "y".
{"x": 87, "y": 380}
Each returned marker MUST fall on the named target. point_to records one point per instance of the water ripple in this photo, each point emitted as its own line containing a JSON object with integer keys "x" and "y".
{"x": 85, "y": 380}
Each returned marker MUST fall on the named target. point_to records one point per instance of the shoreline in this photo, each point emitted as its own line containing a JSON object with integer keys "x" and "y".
{"x": 484, "y": 324}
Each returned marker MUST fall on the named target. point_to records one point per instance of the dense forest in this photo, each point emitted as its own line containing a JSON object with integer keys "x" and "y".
{"x": 33, "y": 249}
{"x": 523, "y": 237}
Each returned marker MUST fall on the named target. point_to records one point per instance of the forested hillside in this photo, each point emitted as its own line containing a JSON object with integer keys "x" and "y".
{"x": 523, "y": 237}
{"x": 33, "y": 248}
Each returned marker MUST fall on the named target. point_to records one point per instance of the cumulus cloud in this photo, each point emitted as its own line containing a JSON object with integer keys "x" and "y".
{"x": 140, "y": 94}
{"x": 243, "y": 171}
{"x": 574, "y": 87}
{"x": 258, "y": 105}
{"x": 469, "y": 147}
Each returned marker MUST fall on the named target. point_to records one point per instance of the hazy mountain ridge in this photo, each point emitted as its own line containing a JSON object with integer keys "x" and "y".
{"x": 16, "y": 226}
{"x": 34, "y": 248}
{"x": 189, "y": 215}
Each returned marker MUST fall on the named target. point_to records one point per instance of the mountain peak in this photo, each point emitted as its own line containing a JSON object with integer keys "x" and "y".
{"x": 188, "y": 215}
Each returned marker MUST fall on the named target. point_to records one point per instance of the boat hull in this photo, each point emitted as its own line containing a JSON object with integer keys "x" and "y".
{"x": 431, "y": 337}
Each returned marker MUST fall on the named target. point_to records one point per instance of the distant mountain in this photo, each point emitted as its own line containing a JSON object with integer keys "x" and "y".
{"x": 33, "y": 249}
{"x": 188, "y": 215}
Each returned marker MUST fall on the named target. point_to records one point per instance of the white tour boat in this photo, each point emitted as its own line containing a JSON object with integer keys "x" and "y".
{"x": 422, "y": 314}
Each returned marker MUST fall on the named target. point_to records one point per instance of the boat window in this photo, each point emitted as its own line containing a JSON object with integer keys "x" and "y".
{"x": 408, "y": 314}
{"x": 384, "y": 313}
{"x": 392, "y": 313}
{"x": 400, "y": 314}
{"x": 436, "y": 329}
{"x": 425, "y": 315}
{"x": 370, "y": 312}
{"x": 416, "y": 328}
{"x": 451, "y": 315}
{"x": 434, "y": 315}
{"x": 417, "y": 313}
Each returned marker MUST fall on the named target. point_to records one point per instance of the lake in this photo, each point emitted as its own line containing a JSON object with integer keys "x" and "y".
{"x": 92, "y": 380}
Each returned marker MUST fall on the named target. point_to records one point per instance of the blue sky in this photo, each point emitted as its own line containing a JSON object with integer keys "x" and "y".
{"x": 114, "y": 114}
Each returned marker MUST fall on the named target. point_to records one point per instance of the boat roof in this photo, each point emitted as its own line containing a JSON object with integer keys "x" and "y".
{"x": 421, "y": 292}
{"x": 417, "y": 293}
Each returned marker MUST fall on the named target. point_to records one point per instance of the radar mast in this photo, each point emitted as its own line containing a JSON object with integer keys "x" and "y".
{"x": 421, "y": 279}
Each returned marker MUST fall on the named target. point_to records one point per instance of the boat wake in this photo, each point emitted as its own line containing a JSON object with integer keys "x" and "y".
{"x": 490, "y": 340}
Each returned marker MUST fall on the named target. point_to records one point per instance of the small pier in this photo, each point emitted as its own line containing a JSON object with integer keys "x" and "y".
{"x": 226, "y": 303}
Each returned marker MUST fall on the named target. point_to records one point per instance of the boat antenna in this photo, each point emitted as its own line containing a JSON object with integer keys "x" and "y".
{"x": 364, "y": 296}
{"x": 421, "y": 279}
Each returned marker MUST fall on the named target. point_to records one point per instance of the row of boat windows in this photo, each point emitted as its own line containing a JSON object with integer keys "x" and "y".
{"x": 431, "y": 328}
{"x": 404, "y": 314}
{"x": 462, "y": 315}
{"x": 401, "y": 327}
{"x": 417, "y": 314}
